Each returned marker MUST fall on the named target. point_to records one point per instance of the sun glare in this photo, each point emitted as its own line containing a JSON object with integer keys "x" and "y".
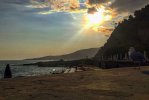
{"x": 95, "y": 18}
{"x": 98, "y": 17}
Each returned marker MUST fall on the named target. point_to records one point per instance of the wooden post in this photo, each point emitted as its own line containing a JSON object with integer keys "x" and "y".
{"x": 121, "y": 57}
{"x": 126, "y": 57}
{"x": 145, "y": 56}
{"x": 116, "y": 57}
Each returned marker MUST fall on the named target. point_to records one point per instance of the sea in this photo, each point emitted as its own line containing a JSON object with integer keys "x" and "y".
{"x": 18, "y": 70}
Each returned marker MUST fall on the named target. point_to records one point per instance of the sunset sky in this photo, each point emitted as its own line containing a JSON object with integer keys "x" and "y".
{"x": 35, "y": 28}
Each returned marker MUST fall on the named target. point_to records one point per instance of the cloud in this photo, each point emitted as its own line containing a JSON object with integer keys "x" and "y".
{"x": 129, "y": 5}
{"x": 16, "y": 1}
{"x": 79, "y": 5}
{"x": 39, "y": 9}
{"x": 57, "y": 4}
{"x": 97, "y": 1}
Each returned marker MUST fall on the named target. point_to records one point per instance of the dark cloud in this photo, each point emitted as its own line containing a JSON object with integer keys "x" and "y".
{"x": 123, "y": 5}
{"x": 97, "y": 1}
{"x": 129, "y": 5}
{"x": 92, "y": 10}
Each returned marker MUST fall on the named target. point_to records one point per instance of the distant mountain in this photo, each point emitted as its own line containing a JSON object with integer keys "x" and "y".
{"x": 132, "y": 32}
{"x": 81, "y": 54}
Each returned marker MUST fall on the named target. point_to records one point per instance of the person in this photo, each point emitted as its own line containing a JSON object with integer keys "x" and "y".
{"x": 136, "y": 57}
{"x": 7, "y": 73}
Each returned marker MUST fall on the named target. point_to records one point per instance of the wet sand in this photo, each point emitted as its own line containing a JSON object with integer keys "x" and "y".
{"x": 107, "y": 84}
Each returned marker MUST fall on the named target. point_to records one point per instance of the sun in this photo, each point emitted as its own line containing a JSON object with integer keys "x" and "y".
{"x": 97, "y": 17}
{"x": 94, "y": 19}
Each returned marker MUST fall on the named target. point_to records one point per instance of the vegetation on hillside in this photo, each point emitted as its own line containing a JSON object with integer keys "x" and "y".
{"x": 131, "y": 32}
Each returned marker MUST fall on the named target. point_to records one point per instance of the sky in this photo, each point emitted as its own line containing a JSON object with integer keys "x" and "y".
{"x": 36, "y": 28}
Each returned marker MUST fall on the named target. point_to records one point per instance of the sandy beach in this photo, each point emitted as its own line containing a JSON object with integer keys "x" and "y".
{"x": 107, "y": 84}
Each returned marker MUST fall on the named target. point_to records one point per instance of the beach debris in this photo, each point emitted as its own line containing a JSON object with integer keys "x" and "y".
{"x": 72, "y": 70}
{"x": 67, "y": 71}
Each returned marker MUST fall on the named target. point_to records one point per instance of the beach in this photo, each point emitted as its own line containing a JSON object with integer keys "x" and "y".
{"x": 105, "y": 84}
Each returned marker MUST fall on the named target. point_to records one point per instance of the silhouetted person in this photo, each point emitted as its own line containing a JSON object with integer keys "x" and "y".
{"x": 7, "y": 73}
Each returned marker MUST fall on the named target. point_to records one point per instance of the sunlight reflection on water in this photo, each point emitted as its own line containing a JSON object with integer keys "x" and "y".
{"x": 27, "y": 70}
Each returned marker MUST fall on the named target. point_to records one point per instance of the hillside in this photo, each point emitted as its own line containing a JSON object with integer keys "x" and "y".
{"x": 81, "y": 54}
{"x": 131, "y": 32}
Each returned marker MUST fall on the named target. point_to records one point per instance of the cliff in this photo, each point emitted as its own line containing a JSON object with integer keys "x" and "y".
{"x": 131, "y": 32}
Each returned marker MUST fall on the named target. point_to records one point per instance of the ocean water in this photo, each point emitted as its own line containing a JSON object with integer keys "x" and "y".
{"x": 18, "y": 71}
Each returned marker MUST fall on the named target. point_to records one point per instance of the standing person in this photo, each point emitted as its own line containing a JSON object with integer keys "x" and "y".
{"x": 7, "y": 73}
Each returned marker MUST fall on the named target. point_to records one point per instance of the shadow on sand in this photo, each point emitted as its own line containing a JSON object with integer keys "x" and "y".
{"x": 145, "y": 72}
